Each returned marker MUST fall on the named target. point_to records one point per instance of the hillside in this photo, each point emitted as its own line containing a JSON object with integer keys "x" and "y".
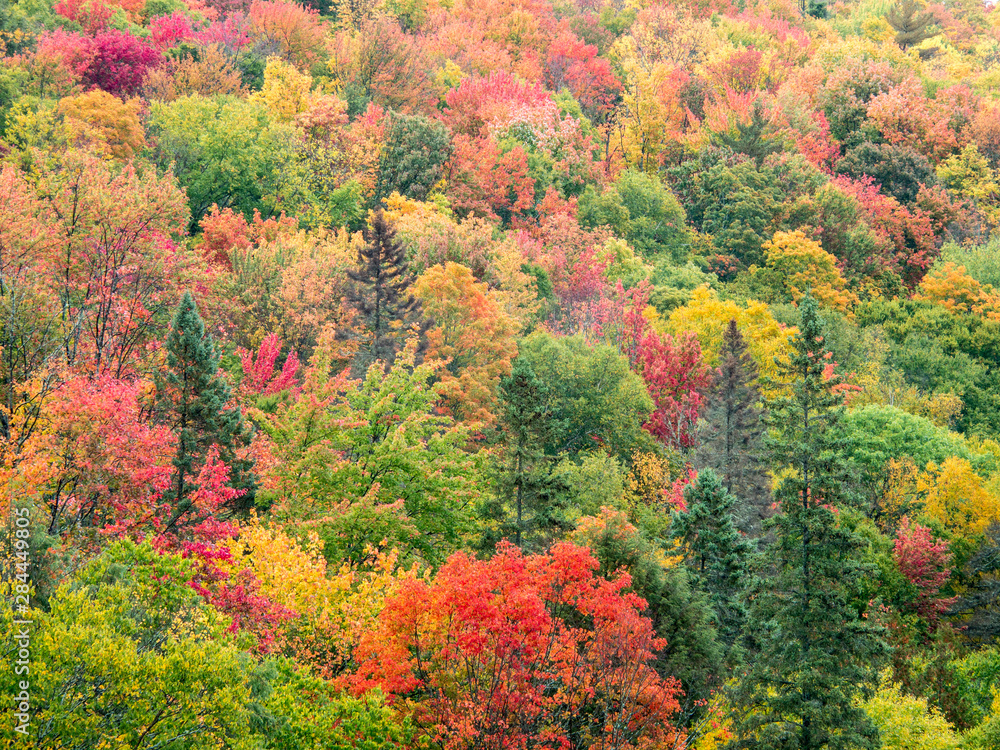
{"x": 500, "y": 374}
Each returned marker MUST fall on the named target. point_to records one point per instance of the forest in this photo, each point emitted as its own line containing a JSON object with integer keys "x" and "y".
{"x": 500, "y": 374}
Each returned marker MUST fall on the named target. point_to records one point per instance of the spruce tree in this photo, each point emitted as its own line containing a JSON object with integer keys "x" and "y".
{"x": 756, "y": 138}
{"x": 380, "y": 293}
{"x": 529, "y": 500}
{"x": 716, "y": 551}
{"x": 194, "y": 399}
{"x": 817, "y": 655}
{"x": 732, "y": 432}
{"x": 909, "y": 23}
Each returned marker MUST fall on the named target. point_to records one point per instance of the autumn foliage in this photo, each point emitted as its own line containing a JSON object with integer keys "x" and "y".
{"x": 507, "y": 633}
{"x": 329, "y": 329}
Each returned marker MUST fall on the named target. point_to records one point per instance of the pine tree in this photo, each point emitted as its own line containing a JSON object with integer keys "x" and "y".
{"x": 910, "y": 23}
{"x": 381, "y": 295}
{"x": 756, "y": 138}
{"x": 194, "y": 398}
{"x": 816, "y": 653}
{"x": 529, "y": 502}
{"x": 715, "y": 550}
{"x": 732, "y": 432}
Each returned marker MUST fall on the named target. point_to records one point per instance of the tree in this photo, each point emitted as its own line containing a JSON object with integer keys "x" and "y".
{"x": 526, "y": 488}
{"x": 680, "y": 610}
{"x": 978, "y": 606}
{"x": 910, "y": 23}
{"x": 110, "y": 262}
{"x": 676, "y": 377}
{"x": 381, "y": 296}
{"x": 885, "y": 439}
{"x": 715, "y": 550}
{"x": 472, "y": 333}
{"x": 926, "y": 565}
{"x": 908, "y": 723}
{"x": 707, "y": 315}
{"x": 412, "y": 159}
{"x": 119, "y": 63}
{"x": 899, "y": 170}
{"x": 293, "y": 31}
{"x": 121, "y": 644}
{"x": 372, "y": 463}
{"x": 596, "y": 398}
{"x": 111, "y": 124}
{"x": 194, "y": 398}
{"x": 226, "y": 151}
{"x": 797, "y": 264}
{"x": 642, "y": 210}
{"x": 521, "y": 649}
{"x": 755, "y": 137}
{"x": 730, "y": 436}
{"x": 957, "y": 497}
{"x": 817, "y": 654}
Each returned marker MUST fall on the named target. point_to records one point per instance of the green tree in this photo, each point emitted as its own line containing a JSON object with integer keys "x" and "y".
{"x": 530, "y": 500}
{"x": 303, "y": 711}
{"x": 900, "y": 170}
{"x": 910, "y": 23}
{"x": 129, "y": 655}
{"x": 717, "y": 553}
{"x": 877, "y": 434}
{"x": 732, "y": 432}
{"x": 756, "y": 138}
{"x": 642, "y": 210}
{"x": 413, "y": 155}
{"x": 194, "y": 399}
{"x": 380, "y": 293}
{"x": 226, "y": 151}
{"x": 596, "y": 399}
{"x": 374, "y": 463}
{"x": 817, "y": 655}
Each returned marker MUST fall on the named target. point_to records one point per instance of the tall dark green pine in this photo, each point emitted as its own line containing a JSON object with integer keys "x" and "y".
{"x": 380, "y": 294}
{"x": 718, "y": 554}
{"x": 910, "y": 23}
{"x": 529, "y": 501}
{"x": 731, "y": 435}
{"x": 817, "y": 654}
{"x": 194, "y": 400}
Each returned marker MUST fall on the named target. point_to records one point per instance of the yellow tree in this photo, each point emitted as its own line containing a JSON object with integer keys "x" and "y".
{"x": 332, "y": 607}
{"x": 707, "y": 316}
{"x": 797, "y": 264}
{"x": 956, "y": 497}
{"x": 472, "y": 333}
{"x": 105, "y": 121}
{"x": 286, "y": 91}
{"x": 951, "y": 286}
{"x": 969, "y": 175}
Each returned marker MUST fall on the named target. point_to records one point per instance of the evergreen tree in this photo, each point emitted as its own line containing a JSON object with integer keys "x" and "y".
{"x": 529, "y": 501}
{"x": 194, "y": 398}
{"x": 733, "y": 429}
{"x": 979, "y": 606}
{"x": 910, "y": 23}
{"x": 716, "y": 551}
{"x": 816, "y": 653}
{"x": 757, "y": 138}
{"x": 680, "y": 610}
{"x": 380, "y": 293}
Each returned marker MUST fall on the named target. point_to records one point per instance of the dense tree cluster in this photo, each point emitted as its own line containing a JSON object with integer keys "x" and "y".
{"x": 501, "y": 373}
